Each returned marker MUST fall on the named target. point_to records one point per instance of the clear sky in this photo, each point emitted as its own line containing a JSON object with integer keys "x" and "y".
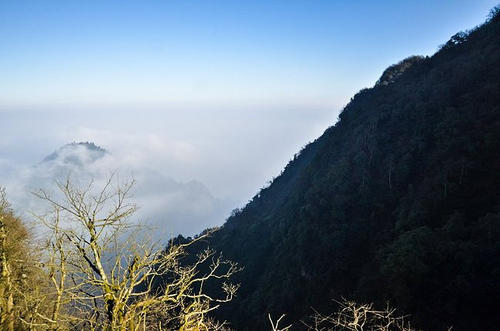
{"x": 222, "y": 92}
{"x": 198, "y": 52}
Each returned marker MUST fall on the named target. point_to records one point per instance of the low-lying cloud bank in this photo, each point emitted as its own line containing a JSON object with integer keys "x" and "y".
{"x": 168, "y": 206}
{"x": 193, "y": 164}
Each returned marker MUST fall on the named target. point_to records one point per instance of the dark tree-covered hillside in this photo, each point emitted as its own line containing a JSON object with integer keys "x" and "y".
{"x": 398, "y": 201}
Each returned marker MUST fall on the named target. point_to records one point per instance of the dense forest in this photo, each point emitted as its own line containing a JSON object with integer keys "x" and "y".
{"x": 399, "y": 201}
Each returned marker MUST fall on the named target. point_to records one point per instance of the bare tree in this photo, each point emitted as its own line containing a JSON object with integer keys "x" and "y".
{"x": 359, "y": 317}
{"x": 275, "y": 324}
{"x": 105, "y": 277}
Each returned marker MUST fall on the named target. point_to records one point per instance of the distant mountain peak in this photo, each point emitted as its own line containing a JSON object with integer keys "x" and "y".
{"x": 87, "y": 144}
{"x": 77, "y": 153}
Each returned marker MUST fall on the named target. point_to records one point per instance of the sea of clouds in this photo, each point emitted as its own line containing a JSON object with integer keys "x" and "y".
{"x": 192, "y": 167}
{"x": 166, "y": 206}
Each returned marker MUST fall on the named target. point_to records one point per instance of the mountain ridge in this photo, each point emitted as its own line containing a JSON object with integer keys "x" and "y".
{"x": 398, "y": 201}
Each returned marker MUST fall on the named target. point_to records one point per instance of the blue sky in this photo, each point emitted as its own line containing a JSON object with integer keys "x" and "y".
{"x": 213, "y": 52}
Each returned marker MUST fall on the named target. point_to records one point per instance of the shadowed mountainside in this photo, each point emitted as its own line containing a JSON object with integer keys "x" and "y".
{"x": 399, "y": 201}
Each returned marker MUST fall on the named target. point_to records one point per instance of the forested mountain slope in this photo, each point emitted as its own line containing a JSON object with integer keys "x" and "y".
{"x": 399, "y": 201}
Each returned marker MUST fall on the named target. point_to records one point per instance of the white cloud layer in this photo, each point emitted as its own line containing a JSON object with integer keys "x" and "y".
{"x": 169, "y": 206}
{"x": 192, "y": 165}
